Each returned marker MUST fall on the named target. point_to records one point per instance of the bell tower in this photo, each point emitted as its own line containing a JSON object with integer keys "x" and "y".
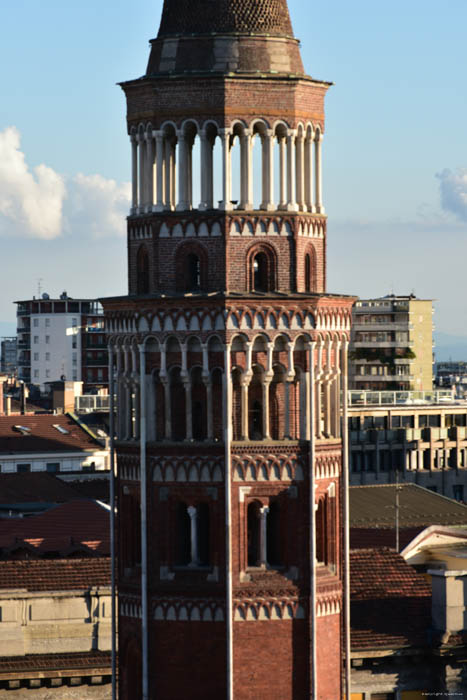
{"x": 229, "y": 359}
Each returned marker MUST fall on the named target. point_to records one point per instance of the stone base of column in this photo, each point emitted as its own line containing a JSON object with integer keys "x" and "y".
{"x": 246, "y": 206}
{"x": 320, "y": 209}
{"x": 291, "y": 207}
{"x": 267, "y": 207}
{"x": 183, "y": 206}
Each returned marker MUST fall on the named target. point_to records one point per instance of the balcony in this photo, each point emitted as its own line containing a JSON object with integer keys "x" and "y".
{"x": 382, "y": 344}
{"x": 23, "y": 329}
{"x": 101, "y": 361}
{"x": 381, "y": 326}
{"x": 22, "y": 344}
{"x": 383, "y": 377}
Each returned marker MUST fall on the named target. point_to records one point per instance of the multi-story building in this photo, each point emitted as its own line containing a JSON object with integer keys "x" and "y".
{"x": 230, "y": 362}
{"x": 392, "y": 344}
{"x": 418, "y": 437}
{"x": 8, "y": 363}
{"x": 62, "y": 339}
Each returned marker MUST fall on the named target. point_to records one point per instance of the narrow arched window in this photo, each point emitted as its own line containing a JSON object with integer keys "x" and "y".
{"x": 260, "y": 273}
{"x": 307, "y": 273}
{"x": 193, "y": 273}
{"x": 183, "y": 536}
{"x": 256, "y": 421}
{"x": 273, "y": 533}
{"x": 203, "y": 534}
{"x": 321, "y": 532}
{"x": 253, "y": 534}
{"x": 142, "y": 271}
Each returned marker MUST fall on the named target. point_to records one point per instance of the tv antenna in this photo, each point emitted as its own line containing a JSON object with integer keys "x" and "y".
{"x": 39, "y": 287}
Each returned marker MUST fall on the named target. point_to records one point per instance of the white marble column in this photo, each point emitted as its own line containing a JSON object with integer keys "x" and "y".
{"x": 318, "y": 174}
{"x": 142, "y": 172}
{"x": 268, "y": 171}
{"x": 183, "y": 203}
{"x": 309, "y": 180}
{"x": 282, "y": 172}
{"x": 149, "y": 170}
{"x": 246, "y": 170}
{"x": 226, "y": 170}
{"x": 134, "y": 173}
{"x": 300, "y": 171}
{"x": 193, "y": 513}
{"x": 159, "y": 136}
{"x": 291, "y": 189}
{"x": 263, "y": 557}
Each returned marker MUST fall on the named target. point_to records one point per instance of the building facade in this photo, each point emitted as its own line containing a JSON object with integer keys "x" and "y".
{"x": 392, "y": 344}
{"x": 421, "y": 441}
{"x": 8, "y": 364}
{"x": 62, "y": 339}
{"x": 230, "y": 362}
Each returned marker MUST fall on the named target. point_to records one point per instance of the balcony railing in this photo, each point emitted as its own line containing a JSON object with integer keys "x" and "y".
{"x": 89, "y": 403}
{"x": 378, "y": 398}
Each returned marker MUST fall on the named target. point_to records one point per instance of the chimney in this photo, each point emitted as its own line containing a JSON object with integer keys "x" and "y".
{"x": 7, "y": 402}
{"x": 448, "y": 599}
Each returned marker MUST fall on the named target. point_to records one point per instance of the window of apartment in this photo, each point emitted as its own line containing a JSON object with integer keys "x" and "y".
{"x": 53, "y": 467}
{"x": 75, "y": 377}
{"x": 47, "y": 356}
{"x": 36, "y": 374}
{"x": 47, "y": 373}
{"x": 429, "y": 421}
{"x": 100, "y": 375}
{"x": 74, "y": 322}
{"x": 74, "y": 343}
{"x": 35, "y": 322}
{"x": 47, "y": 339}
{"x": 458, "y": 492}
{"x": 402, "y": 422}
{"x": 47, "y": 322}
{"x": 354, "y": 423}
{"x": 36, "y": 339}
{"x": 36, "y": 357}
{"x": 74, "y": 359}
{"x": 23, "y": 468}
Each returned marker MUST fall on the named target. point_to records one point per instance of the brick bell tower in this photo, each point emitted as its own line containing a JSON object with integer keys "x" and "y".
{"x": 229, "y": 360}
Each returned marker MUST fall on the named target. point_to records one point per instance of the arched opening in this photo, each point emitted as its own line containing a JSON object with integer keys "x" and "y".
{"x": 321, "y": 532}
{"x": 256, "y": 421}
{"x": 177, "y": 401}
{"x": 198, "y": 405}
{"x": 142, "y": 271}
{"x": 183, "y": 536}
{"x": 192, "y": 273}
{"x": 253, "y": 534}
{"x": 307, "y": 273}
{"x": 203, "y": 534}
{"x": 237, "y": 164}
{"x": 217, "y": 404}
{"x": 260, "y": 273}
{"x": 273, "y": 535}
{"x": 236, "y": 404}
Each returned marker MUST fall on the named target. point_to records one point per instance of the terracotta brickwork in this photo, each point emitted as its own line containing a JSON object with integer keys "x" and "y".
{"x": 230, "y": 364}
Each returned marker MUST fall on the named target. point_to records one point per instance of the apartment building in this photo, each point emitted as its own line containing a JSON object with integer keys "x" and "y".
{"x": 392, "y": 344}
{"x": 61, "y": 339}
{"x": 418, "y": 437}
{"x": 8, "y": 355}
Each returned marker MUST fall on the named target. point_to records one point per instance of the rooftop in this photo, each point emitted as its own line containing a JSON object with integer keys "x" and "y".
{"x": 390, "y": 601}
{"x": 79, "y": 526}
{"x": 54, "y": 574}
{"x": 44, "y": 433}
{"x": 34, "y": 487}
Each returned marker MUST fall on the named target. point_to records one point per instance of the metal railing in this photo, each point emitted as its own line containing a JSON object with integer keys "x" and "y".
{"x": 91, "y": 402}
{"x": 378, "y": 398}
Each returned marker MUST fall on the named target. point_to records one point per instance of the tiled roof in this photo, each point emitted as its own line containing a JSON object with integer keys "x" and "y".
{"x": 374, "y": 507}
{"x": 55, "y": 574}
{"x": 76, "y": 525}
{"x": 390, "y": 601}
{"x": 43, "y": 435}
{"x": 93, "y": 488}
{"x": 54, "y": 662}
{"x": 34, "y": 487}
{"x": 363, "y": 537}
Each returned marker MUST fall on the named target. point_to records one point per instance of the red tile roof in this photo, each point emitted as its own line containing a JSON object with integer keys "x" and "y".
{"x": 80, "y": 524}
{"x": 390, "y": 601}
{"x": 34, "y": 487}
{"x": 44, "y": 437}
{"x": 364, "y": 537}
{"x": 55, "y": 574}
{"x": 54, "y": 662}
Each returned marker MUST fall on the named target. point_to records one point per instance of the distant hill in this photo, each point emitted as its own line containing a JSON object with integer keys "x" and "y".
{"x": 450, "y": 347}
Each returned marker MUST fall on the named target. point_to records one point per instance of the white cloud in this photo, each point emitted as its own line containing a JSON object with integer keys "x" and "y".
{"x": 453, "y": 187}
{"x": 40, "y": 203}
{"x": 30, "y": 202}
{"x": 96, "y": 206}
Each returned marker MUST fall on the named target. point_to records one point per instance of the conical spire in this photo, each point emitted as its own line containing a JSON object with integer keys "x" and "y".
{"x": 187, "y": 17}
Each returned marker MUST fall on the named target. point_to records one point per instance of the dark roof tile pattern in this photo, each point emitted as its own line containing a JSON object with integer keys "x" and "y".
{"x": 363, "y": 537}
{"x": 54, "y": 662}
{"x": 225, "y": 17}
{"x": 390, "y": 601}
{"x": 374, "y": 507}
{"x": 43, "y": 436}
{"x": 77, "y": 525}
{"x": 55, "y": 574}
{"x": 35, "y": 487}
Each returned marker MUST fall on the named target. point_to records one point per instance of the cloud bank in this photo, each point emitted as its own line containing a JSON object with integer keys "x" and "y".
{"x": 40, "y": 203}
{"x": 453, "y": 188}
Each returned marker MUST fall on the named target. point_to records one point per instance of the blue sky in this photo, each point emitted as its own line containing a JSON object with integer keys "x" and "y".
{"x": 395, "y": 151}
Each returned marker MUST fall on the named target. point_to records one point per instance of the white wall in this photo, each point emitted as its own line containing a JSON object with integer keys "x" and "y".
{"x": 61, "y": 330}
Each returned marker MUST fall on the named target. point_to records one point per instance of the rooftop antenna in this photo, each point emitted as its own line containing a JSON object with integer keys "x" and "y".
{"x": 39, "y": 286}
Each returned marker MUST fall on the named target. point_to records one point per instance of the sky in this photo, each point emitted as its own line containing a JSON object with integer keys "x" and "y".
{"x": 395, "y": 148}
